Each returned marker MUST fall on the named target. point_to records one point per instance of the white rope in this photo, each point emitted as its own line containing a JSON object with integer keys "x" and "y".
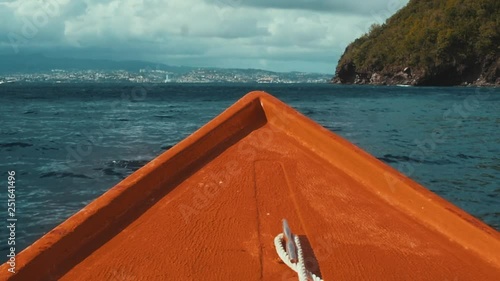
{"x": 298, "y": 267}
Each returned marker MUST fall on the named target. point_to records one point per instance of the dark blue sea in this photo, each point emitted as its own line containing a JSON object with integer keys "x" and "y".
{"x": 69, "y": 143}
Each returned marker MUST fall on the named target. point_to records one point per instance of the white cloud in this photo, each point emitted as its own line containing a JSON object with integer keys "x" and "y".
{"x": 295, "y": 36}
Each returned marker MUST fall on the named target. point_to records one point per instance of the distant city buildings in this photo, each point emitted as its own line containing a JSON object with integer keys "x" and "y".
{"x": 200, "y": 75}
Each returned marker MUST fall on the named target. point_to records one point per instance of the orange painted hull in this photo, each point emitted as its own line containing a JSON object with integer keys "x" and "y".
{"x": 210, "y": 207}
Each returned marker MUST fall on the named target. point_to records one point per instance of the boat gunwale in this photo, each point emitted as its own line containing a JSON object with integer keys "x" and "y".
{"x": 450, "y": 220}
{"x": 56, "y": 240}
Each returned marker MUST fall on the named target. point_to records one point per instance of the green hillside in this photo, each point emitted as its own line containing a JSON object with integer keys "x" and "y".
{"x": 428, "y": 42}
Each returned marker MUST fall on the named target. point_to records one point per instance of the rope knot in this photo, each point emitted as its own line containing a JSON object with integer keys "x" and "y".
{"x": 293, "y": 256}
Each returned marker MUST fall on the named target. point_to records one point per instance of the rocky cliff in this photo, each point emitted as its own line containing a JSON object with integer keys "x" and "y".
{"x": 428, "y": 43}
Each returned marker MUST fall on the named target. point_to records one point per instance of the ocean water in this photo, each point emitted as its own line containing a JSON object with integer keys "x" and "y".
{"x": 69, "y": 143}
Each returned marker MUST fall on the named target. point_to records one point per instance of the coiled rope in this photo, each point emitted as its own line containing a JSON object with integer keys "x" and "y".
{"x": 293, "y": 257}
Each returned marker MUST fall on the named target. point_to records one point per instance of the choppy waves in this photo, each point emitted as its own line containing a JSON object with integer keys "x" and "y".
{"x": 71, "y": 143}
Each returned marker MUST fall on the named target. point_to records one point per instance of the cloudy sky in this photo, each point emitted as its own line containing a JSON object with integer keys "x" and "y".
{"x": 280, "y": 35}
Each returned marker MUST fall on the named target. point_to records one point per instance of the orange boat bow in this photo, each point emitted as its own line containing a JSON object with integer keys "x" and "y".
{"x": 210, "y": 207}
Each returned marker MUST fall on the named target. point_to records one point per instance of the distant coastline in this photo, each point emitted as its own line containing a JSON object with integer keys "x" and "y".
{"x": 159, "y": 76}
{"x": 39, "y": 68}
